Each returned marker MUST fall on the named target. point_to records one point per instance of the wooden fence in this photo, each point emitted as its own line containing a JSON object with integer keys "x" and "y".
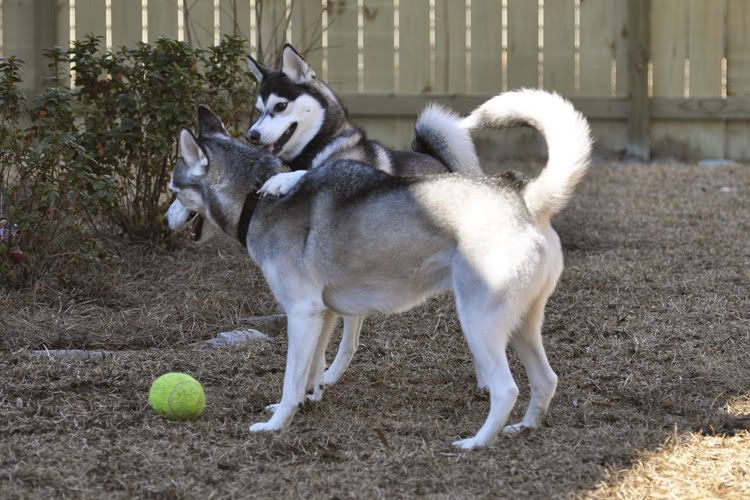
{"x": 656, "y": 77}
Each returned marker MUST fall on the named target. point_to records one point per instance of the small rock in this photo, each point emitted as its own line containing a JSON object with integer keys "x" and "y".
{"x": 727, "y": 189}
{"x": 237, "y": 337}
{"x": 720, "y": 162}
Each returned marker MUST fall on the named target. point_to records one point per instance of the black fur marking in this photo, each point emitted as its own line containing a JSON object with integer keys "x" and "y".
{"x": 512, "y": 179}
{"x": 248, "y": 209}
{"x": 323, "y": 138}
{"x": 276, "y": 82}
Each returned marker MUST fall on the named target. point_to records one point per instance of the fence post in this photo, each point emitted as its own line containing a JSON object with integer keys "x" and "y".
{"x": 639, "y": 119}
{"x": 29, "y": 28}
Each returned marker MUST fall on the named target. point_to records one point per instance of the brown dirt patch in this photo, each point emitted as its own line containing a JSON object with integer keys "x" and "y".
{"x": 648, "y": 331}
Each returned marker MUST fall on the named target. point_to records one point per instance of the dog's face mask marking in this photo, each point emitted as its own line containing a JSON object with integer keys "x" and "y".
{"x": 289, "y": 118}
{"x": 191, "y": 167}
{"x": 190, "y": 177}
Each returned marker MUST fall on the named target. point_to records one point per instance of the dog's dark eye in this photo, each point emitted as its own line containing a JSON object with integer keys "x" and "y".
{"x": 280, "y": 107}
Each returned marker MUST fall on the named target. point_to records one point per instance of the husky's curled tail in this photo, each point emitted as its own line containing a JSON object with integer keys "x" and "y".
{"x": 442, "y": 134}
{"x": 439, "y": 133}
{"x": 568, "y": 142}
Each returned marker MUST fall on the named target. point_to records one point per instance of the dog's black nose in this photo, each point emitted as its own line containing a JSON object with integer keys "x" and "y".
{"x": 253, "y": 136}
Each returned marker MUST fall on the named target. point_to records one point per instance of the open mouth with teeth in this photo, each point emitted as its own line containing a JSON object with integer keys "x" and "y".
{"x": 195, "y": 226}
{"x": 276, "y": 146}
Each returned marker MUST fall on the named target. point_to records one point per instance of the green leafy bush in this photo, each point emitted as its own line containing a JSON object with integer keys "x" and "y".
{"x": 78, "y": 163}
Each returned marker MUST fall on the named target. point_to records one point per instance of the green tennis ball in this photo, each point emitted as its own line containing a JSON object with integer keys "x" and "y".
{"x": 177, "y": 396}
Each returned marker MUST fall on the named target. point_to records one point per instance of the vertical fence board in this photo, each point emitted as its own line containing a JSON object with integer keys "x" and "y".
{"x": 559, "y": 46}
{"x": 599, "y": 37}
{"x": 378, "y": 46}
{"x": 523, "y": 43}
{"x": 271, "y": 31}
{"x": 597, "y": 47}
{"x": 450, "y": 46}
{"x": 378, "y": 59}
{"x": 639, "y": 20}
{"x": 669, "y": 42}
{"x": 706, "y": 49}
{"x": 162, "y": 20}
{"x": 738, "y": 73}
{"x": 622, "y": 36}
{"x": 486, "y": 47}
{"x": 522, "y": 70}
{"x": 234, "y": 18}
{"x": 199, "y": 23}
{"x": 414, "y": 47}
{"x": 28, "y": 29}
{"x": 307, "y": 31}
{"x": 343, "y": 73}
{"x": 62, "y": 15}
{"x": 668, "y": 46}
{"x": 62, "y": 31}
{"x": 90, "y": 18}
{"x": 126, "y": 23}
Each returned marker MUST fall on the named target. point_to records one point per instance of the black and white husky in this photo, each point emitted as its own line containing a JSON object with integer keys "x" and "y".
{"x": 349, "y": 240}
{"x": 303, "y": 122}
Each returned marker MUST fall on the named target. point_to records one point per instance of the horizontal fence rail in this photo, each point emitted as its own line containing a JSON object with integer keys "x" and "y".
{"x": 656, "y": 77}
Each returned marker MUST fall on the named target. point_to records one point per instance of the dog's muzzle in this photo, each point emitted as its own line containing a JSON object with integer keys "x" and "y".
{"x": 177, "y": 215}
{"x": 253, "y": 136}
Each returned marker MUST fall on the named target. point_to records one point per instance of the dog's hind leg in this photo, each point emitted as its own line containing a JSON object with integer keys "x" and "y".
{"x": 487, "y": 329}
{"x": 527, "y": 342}
{"x": 305, "y": 330}
{"x": 347, "y": 348}
{"x": 316, "y": 380}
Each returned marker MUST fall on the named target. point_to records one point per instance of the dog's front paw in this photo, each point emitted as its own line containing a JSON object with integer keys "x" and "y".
{"x": 469, "y": 443}
{"x": 316, "y": 394}
{"x": 269, "y": 426}
{"x": 281, "y": 184}
{"x": 516, "y": 429}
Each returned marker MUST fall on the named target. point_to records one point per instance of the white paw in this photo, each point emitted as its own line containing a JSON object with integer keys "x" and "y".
{"x": 516, "y": 428}
{"x": 317, "y": 394}
{"x": 272, "y": 407}
{"x": 467, "y": 444}
{"x": 265, "y": 427}
{"x": 281, "y": 184}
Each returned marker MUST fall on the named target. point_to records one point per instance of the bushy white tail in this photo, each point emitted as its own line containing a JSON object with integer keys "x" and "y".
{"x": 439, "y": 133}
{"x": 568, "y": 142}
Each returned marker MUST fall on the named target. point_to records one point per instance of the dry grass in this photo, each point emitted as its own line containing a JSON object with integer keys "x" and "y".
{"x": 648, "y": 331}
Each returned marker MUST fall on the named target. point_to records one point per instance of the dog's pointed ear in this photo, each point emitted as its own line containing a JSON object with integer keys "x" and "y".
{"x": 257, "y": 69}
{"x": 192, "y": 154}
{"x": 294, "y": 66}
{"x": 209, "y": 123}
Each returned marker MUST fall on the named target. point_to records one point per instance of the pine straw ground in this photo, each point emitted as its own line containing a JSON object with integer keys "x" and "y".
{"x": 649, "y": 332}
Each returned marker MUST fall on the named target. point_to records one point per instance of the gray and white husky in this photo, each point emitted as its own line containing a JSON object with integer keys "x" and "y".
{"x": 349, "y": 240}
{"x": 303, "y": 122}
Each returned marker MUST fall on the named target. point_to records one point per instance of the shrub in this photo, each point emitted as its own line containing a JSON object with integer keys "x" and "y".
{"x": 76, "y": 163}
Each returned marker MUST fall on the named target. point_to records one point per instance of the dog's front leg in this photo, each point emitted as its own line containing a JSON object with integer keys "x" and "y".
{"x": 304, "y": 329}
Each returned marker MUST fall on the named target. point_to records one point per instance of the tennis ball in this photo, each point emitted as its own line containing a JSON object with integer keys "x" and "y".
{"x": 177, "y": 396}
